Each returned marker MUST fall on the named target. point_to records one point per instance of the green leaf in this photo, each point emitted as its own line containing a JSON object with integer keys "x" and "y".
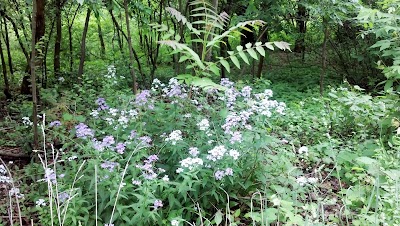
{"x": 244, "y": 57}
{"x": 269, "y": 46}
{"x": 218, "y": 218}
{"x": 235, "y": 60}
{"x": 226, "y": 65}
{"x": 282, "y": 45}
{"x": 252, "y": 53}
{"x": 214, "y": 68}
{"x": 261, "y": 50}
{"x": 67, "y": 117}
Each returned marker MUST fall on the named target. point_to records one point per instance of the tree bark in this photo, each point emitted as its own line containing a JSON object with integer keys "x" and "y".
{"x": 33, "y": 74}
{"x": 102, "y": 45}
{"x": 57, "y": 44}
{"x": 7, "y": 40}
{"x": 4, "y": 69}
{"x": 324, "y": 57}
{"x": 15, "y": 28}
{"x": 83, "y": 46}
{"x": 126, "y": 38}
{"x": 128, "y": 30}
{"x": 71, "y": 47}
{"x": 301, "y": 21}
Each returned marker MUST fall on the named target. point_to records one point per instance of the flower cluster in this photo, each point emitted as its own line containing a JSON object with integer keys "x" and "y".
{"x": 148, "y": 171}
{"x": 304, "y": 180}
{"x": 83, "y": 131}
{"x": 108, "y": 165}
{"x": 174, "y": 137}
{"x": 216, "y": 153}
{"x": 101, "y": 103}
{"x": 26, "y": 121}
{"x": 141, "y": 99}
{"x": 191, "y": 163}
{"x": 220, "y": 174}
{"x": 55, "y": 124}
{"x": 3, "y": 177}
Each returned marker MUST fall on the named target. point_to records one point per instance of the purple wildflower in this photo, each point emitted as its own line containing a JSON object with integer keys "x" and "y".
{"x": 83, "y": 131}
{"x": 133, "y": 134}
{"x": 229, "y": 172}
{"x": 219, "y": 175}
{"x": 246, "y": 92}
{"x": 120, "y": 148}
{"x": 109, "y": 165}
{"x": 108, "y": 141}
{"x": 146, "y": 140}
{"x": 225, "y": 82}
{"x": 151, "y": 159}
{"x": 236, "y": 137}
{"x": 101, "y": 102}
{"x": 63, "y": 196}
{"x": 157, "y": 204}
{"x": 55, "y": 123}
{"x": 141, "y": 98}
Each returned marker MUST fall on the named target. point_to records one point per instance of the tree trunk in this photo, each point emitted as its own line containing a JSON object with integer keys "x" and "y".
{"x": 128, "y": 30}
{"x": 7, "y": 40}
{"x": 83, "y": 46}
{"x": 102, "y": 45}
{"x": 4, "y": 69}
{"x": 57, "y": 44}
{"x": 324, "y": 57}
{"x": 71, "y": 47}
{"x": 15, "y": 28}
{"x": 301, "y": 21}
{"x": 126, "y": 38}
{"x": 264, "y": 37}
{"x": 35, "y": 14}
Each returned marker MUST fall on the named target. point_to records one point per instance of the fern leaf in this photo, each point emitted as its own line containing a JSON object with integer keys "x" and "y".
{"x": 178, "y": 15}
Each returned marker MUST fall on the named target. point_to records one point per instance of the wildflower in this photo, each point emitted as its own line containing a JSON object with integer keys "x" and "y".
{"x": 40, "y": 202}
{"x": 113, "y": 111}
{"x": 136, "y": 182}
{"x": 301, "y": 181}
{"x": 219, "y": 174}
{"x": 156, "y": 84}
{"x": 108, "y": 141}
{"x": 151, "y": 159}
{"x": 175, "y": 89}
{"x": 174, "y": 136}
{"x": 94, "y": 113}
{"x": 72, "y": 158}
{"x": 312, "y": 180}
{"x": 109, "y": 165}
{"x": 225, "y": 82}
{"x": 63, "y": 196}
{"x": 157, "y": 204}
{"x": 3, "y": 169}
{"x": 179, "y": 170}
{"x": 246, "y": 92}
{"x": 174, "y": 223}
{"x": 236, "y": 137}
{"x": 83, "y": 131}
{"x": 16, "y": 192}
{"x": 193, "y": 151}
{"x": 27, "y": 121}
{"x": 304, "y": 150}
{"x": 188, "y": 115}
{"x": 230, "y": 95}
{"x": 50, "y": 175}
{"x": 5, "y": 179}
{"x": 216, "y": 153}
{"x": 229, "y": 172}
{"x": 133, "y": 134}
{"x": 203, "y": 125}
{"x": 231, "y": 121}
{"x": 141, "y": 98}
{"x": 55, "y": 123}
{"x": 101, "y": 102}
{"x": 191, "y": 162}
{"x": 234, "y": 154}
{"x": 165, "y": 178}
{"x": 146, "y": 140}
{"x": 120, "y": 148}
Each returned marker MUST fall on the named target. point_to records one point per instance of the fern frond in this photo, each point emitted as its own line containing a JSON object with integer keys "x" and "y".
{"x": 178, "y": 15}
{"x": 192, "y": 55}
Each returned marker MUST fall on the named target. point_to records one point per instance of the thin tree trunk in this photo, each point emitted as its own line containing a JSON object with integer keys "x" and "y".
{"x": 15, "y": 28}
{"x": 4, "y": 69}
{"x": 301, "y": 21}
{"x": 102, "y": 45}
{"x": 83, "y": 46}
{"x": 128, "y": 30}
{"x": 324, "y": 58}
{"x": 7, "y": 40}
{"x": 33, "y": 76}
{"x": 126, "y": 38}
{"x": 71, "y": 47}
{"x": 57, "y": 44}
{"x": 46, "y": 50}
{"x": 264, "y": 37}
